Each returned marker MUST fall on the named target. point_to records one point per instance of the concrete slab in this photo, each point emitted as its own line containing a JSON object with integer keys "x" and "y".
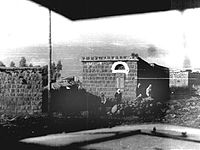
{"x": 124, "y": 137}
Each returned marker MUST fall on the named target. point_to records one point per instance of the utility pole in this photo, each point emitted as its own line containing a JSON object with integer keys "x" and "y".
{"x": 49, "y": 66}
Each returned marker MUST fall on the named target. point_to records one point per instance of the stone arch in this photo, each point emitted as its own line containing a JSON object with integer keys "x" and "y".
{"x": 120, "y": 67}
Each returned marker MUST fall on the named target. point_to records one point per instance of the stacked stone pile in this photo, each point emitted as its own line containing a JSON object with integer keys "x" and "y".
{"x": 20, "y": 90}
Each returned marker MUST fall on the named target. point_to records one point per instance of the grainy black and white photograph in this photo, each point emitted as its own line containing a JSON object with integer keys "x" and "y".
{"x": 100, "y": 75}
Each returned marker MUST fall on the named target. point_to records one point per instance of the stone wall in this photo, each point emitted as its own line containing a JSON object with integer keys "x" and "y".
{"x": 185, "y": 83}
{"x": 20, "y": 90}
{"x": 179, "y": 79}
{"x": 98, "y": 77}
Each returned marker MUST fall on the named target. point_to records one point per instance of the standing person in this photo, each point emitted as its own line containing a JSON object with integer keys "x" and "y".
{"x": 103, "y": 98}
{"x": 103, "y": 104}
{"x": 118, "y": 99}
{"x": 148, "y": 90}
{"x": 139, "y": 91}
{"x": 118, "y": 96}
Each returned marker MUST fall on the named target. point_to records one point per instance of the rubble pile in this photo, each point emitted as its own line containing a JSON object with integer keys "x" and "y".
{"x": 184, "y": 112}
{"x": 144, "y": 109}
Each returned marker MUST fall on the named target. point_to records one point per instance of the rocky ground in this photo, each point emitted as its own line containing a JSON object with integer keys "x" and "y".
{"x": 185, "y": 112}
{"x": 30, "y": 126}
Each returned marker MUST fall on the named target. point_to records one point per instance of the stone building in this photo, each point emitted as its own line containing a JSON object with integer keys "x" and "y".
{"x": 179, "y": 78}
{"x": 184, "y": 82}
{"x": 109, "y": 73}
{"x": 20, "y": 90}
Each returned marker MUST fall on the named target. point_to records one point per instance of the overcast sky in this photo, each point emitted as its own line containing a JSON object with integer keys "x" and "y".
{"x": 176, "y": 35}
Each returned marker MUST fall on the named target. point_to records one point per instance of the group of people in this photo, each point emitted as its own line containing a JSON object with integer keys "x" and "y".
{"x": 141, "y": 93}
{"x": 118, "y": 100}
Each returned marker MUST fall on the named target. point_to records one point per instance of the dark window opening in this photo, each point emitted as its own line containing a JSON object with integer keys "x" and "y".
{"x": 120, "y": 67}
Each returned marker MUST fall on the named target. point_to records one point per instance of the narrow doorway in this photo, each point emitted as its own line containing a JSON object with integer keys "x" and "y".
{"x": 120, "y": 81}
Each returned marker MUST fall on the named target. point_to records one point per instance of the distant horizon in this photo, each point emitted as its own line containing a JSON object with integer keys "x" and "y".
{"x": 166, "y": 38}
{"x": 75, "y": 69}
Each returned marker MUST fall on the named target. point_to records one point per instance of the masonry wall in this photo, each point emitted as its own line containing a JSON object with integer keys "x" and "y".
{"x": 179, "y": 78}
{"x": 131, "y": 80}
{"x": 98, "y": 77}
{"x": 20, "y": 90}
{"x": 194, "y": 80}
{"x": 185, "y": 82}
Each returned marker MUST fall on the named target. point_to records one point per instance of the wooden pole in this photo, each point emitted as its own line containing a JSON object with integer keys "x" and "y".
{"x": 49, "y": 66}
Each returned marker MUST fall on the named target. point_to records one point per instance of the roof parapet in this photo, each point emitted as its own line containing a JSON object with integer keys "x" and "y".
{"x": 133, "y": 57}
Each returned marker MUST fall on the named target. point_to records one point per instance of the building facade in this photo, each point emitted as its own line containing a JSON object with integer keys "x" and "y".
{"x": 107, "y": 74}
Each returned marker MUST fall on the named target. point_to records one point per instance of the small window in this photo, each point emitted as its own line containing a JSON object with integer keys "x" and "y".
{"x": 120, "y": 67}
